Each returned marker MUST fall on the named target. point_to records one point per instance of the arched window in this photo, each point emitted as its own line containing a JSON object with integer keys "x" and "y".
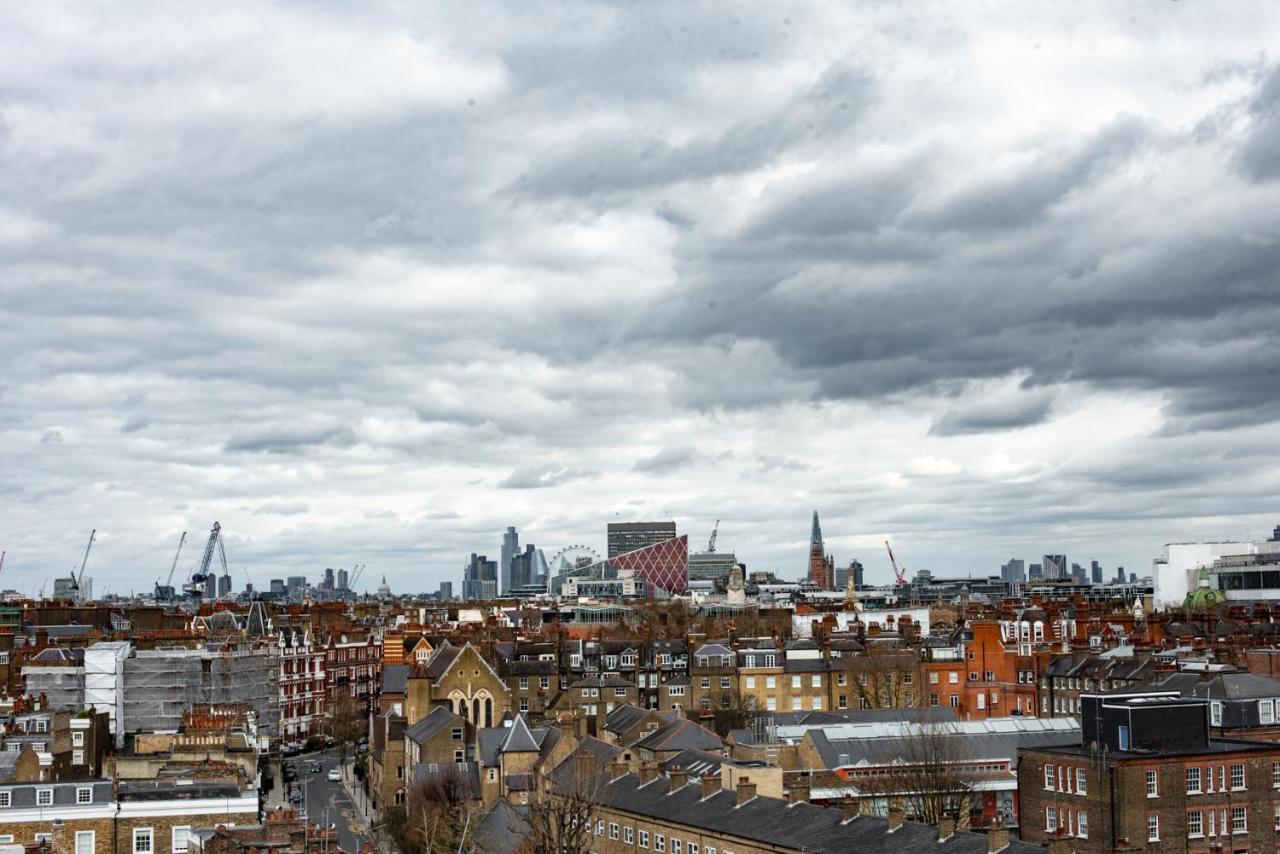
{"x": 475, "y": 707}
{"x": 488, "y": 711}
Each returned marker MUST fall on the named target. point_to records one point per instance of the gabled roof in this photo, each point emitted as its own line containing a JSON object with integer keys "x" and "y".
{"x": 711, "y": 650}
{"x": 519, "y": 739}
{"x": 696, "y": 763}
{"x": 788, "y": 825}
{"x": 624, "y": 717}
{"x": 394, "y": 678}
{"x": 433, "y": 723}
{"x": 681, "y": 735}
{"x": 440, "y": 661}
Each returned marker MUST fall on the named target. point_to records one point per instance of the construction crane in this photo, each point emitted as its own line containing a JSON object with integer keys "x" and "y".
{"x": 168, "y": 583}
{"x": 2, "y": 554}
{"x": 196, "y": 583}
{"x": 899, "y": 572}
{"x": 711, "y": 543}
{"x": 356, "y": 572}
{"x": 77, "y": 579}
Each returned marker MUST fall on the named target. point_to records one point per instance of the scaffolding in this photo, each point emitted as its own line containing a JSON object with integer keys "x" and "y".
{"x": 161, "y": 685}
{"x": 62, "y": 687}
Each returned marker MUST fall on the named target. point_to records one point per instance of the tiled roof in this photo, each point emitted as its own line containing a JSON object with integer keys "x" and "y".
{"x": 519, "y": 739}
{"x": 681, "y": 735}
{"x": 790, "y": 825}
{"x": 439, "y": 718}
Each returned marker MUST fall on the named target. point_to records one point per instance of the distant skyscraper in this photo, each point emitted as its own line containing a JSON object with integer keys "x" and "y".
{"x": 1014, "y": 572}
{"x": 843, "y": 574}
{"x": 1035, "y": 571}
{"x": 1095, "y": 572}
{"x": 342, "y": 579}
{"x": 327, "y": 583}
{"x": 224, "y": 586}
{"x": 510, "y": 548}
{"x": 524, "y": 568}
{"x": 822, "y": 570}
{"x": 297, "y": 585}
{"x": 480, "y": 578}
{"x": 1078, "y": 574}
{"x": 277, "y": 587}
{"x": 1055, "y": 566}
{"x": 1120, "y": 575}
{"x": 626, "y": 537}
{"x": 446, "y": 591}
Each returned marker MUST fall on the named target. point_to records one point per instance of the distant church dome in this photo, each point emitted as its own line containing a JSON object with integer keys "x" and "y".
{"x": 384, "y": 589}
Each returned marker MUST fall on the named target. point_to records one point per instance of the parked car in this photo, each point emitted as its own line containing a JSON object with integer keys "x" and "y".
{"x": 335, "y": 775}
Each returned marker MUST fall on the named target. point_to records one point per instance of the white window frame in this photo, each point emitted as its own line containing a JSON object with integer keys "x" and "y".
{"x": 85, "y": 836}
{"x": 84, "y": 794}
{"x": 6, "y": 798}
{"x": 180, "y": 838}
{"x": 1237, "y": 774}
{"x": 44, "y": 797}
{"x": 614, "y": 830}
{"x": 629, "y": 835}
{"x": 643, "y": 839}
{"x": 1239, "y": 820}
{"x": 150, "y": 834}
{"x": 1080, "y": 782}
{"x": 1194, "y": 818}
{"x": 659, "y": 843}
{"x": 1082, "y": 824}
{"x": 1153, "y": 827}
{"x": 1153, "y": 783}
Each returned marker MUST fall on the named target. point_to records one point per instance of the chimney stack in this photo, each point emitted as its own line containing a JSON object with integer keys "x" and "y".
{"x": 710, "y": 785}
{"x": 585, "y": 764}
{"x": 850, "y": 808}
{"x": 648, "y": 772}
{"x": 677, "y": 778}
{"x": 998, "y": 836}
{"x": 946, "y": 827}
{"x": 618, "y": 769}
{"x": 897, "y": 815}
{"x": 746, "y": 790}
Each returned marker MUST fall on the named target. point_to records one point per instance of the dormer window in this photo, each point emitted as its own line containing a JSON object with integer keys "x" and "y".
{"x": 770, "y": 661}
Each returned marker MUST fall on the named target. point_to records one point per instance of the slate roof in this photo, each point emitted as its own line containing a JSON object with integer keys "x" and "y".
{"x": 433, "y": 723}
{"x": 395, "y": 678}
{"x": 531, "y": 668}
{"x": 681, "y": 735}
{"x": 439, "y": 663}
{"x": 603, "y": 752}
{"x": 490, "y": 744}
{"x": 64, "y": 792}
{"x": 793, "y": 826}
{"x": 804, "y": 665}
{"x": 712, "y": 650}
{"x": 1236, "y": 686}
{"x": 519, "y": 739}
{"x": 624, "y": 717}
{"x": 696, "y": 763}
{"x": 503, "y": 827}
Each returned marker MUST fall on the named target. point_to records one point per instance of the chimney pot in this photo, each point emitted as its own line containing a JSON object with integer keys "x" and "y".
{"x": 850, "y": 808}
{"x": 897, "y": 815}
{"x": 677, "y": 778}
{"x": 648, "y": 772}
{"x": 746, "y": 791}
{"x": 946, "y": 827}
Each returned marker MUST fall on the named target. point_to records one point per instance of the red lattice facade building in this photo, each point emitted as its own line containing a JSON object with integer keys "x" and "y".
{"x": 663, "y": 566}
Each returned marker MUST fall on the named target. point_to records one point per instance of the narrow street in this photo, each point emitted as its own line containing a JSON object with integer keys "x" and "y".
{"x": 327, "y": 801}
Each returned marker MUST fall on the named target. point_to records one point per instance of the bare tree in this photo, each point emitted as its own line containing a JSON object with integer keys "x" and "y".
{"x": 933, "y": 774}
{"x": 882, "y": 679}
{"x": 730, "y": 710}
{"x": 441, "y": 814}
{"x": 347, "y": 723}
{"x": 562, "y": 811}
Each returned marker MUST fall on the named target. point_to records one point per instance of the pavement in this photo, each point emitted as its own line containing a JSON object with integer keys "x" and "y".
{"x": 331, "y": 802}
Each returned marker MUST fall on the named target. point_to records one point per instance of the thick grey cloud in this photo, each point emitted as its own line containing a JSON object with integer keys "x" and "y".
{"x": 367, "y": 289}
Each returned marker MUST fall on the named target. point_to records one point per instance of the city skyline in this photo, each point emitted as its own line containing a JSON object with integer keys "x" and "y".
{"x": 369, "y": 291}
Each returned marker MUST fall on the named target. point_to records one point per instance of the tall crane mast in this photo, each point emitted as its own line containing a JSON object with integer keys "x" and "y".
{"x": 2, "y": 554}
{"x": 899, "y": 572}
{"x": 77, "y": 579}
{"x": 711, "y": 543}
{"x": 196, "y": 583}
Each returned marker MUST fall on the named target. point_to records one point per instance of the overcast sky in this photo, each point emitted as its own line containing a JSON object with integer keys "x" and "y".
{"x": 369, "y": 282}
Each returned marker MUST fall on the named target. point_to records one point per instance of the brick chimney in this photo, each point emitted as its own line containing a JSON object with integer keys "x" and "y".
{"x": 677, "y": 778}
{"x": 585, "y": 764}
{"x": 850, "y": 808}
{"x": 798, "y": 791}
{"x": 746, "y": 790}
{"x": 998, "y": 836}
{"x": 618, "y": 769}
{"x": 648, "y": 772}
{"x": 710, "y": 785}
{"x": 897, "y": 815}
{"x": 946, "y": 827}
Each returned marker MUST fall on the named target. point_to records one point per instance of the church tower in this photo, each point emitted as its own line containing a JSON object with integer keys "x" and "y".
{"x": 822, "y": 567}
